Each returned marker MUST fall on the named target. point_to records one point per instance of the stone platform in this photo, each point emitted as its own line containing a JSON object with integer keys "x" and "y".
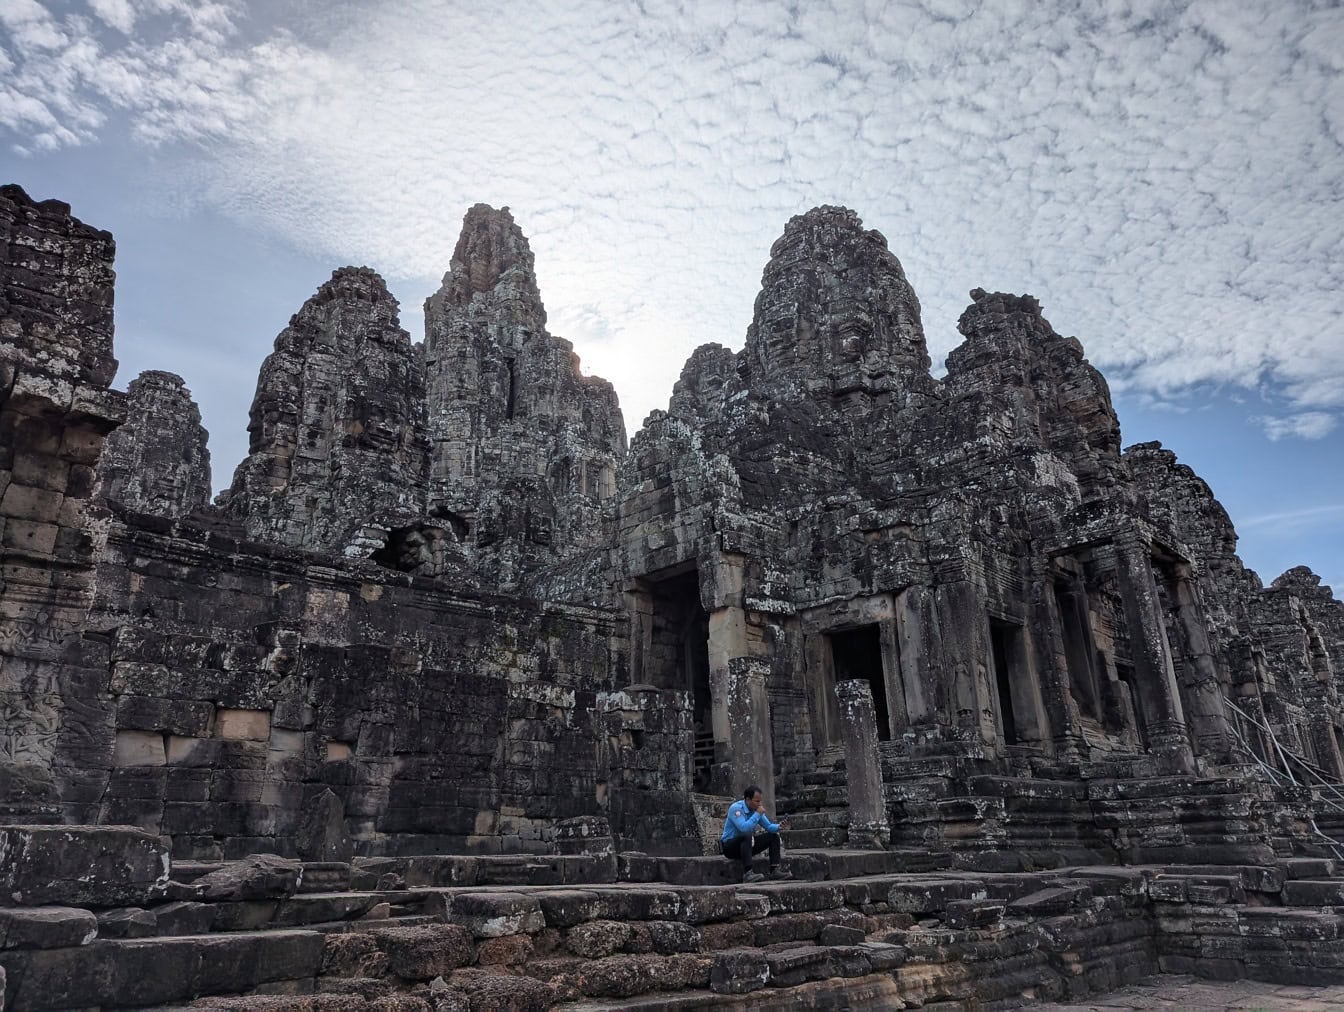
{"x": 1184, "y": 992}
{"x": 855, "y": 930}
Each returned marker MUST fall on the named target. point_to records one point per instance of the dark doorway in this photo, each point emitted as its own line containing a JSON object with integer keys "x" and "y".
{"x": 857, "y": 653}
{"x": 1003, "y": 636}
{"x": 680, "y": 657}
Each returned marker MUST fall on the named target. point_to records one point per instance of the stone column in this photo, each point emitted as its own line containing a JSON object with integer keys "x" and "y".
{"x": 1079, "y": 648}
{"x": 918, "y": 638}
{"x": 721, "y": 594}
{"x": 868, "y": 825}
{"x": 727, "y": 643}
{"x": 1206, "y": 689}
{"x": 1050, "y": 661}
{"x": 751, "y": 746}
{"x": 1156, "y": 679}
{"x": 639, "y": 610}
{"x": 968, "y": 657}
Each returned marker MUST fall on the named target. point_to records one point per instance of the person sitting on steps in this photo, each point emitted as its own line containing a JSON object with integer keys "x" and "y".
{"x": 739, "y": 828}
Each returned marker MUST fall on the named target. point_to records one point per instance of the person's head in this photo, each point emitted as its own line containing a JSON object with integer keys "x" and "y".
{"x": 752, "y": 796}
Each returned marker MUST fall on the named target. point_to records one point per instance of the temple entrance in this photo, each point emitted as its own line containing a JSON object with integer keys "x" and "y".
{"x": 678, "y": 656}
{"x": 857, "y": 654}
{"x": 1004, "y": 637}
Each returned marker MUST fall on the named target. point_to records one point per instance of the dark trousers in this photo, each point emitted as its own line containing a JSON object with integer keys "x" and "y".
{"x": 742, "y": 849}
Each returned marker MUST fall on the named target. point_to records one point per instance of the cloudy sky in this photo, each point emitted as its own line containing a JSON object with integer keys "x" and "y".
{"x": 1167, "y": 177}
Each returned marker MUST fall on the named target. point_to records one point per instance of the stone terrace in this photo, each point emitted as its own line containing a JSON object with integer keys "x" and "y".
{"x": 855, "y": 929}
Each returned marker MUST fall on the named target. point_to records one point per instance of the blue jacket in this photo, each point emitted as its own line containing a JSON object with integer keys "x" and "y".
{"x": 739, "y": 823}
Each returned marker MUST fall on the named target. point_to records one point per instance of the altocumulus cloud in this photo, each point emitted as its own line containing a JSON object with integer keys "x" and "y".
{"x": 1165, "y": 176}
{"x": 1307, "y": 425}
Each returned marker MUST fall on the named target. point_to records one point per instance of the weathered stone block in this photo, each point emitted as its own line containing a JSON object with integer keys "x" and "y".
{"x": 84, "y": 865}
{"x": 425, "y": 952}
{"x": 246, "y": 725}
{"x": 127, "y": 922}
{"x": 595, "y": 939}
{"x": 353, "y": 954}
{"x": 507, "y": 950}
{"x": 259, "y": 876}
{"x": 668, "y": 937}
{"x": 972, "y": 913}
{"x": 1306, "y": 893}
{"x": 45, "y": 927}
{"x": 739, "y": 971}
{"x": 491, "y": 915}
{"x": 138, "y": 748}
{"x": 838, "y": 934}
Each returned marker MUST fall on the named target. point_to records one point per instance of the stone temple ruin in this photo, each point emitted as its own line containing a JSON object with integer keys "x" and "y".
{"x": 439, "y": 705}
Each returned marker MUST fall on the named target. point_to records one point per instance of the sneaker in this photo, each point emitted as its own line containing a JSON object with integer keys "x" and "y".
{"x": 752, "y": 876}
{"x": 780, "y": 874}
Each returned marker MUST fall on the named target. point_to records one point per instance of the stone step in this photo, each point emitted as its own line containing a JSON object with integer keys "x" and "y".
{"x": 848, "y": 985}
{"x": 806, "y": 864}
{"x": 810, "y": 798}
{"x": 144, "y": 972}
{"x": 827, "y": 836}
{"x": 1314, "y": 893}
{"x": 1310, "y": 867}
{"x": 853, "y": 915}
{"x": 826, "y": 818}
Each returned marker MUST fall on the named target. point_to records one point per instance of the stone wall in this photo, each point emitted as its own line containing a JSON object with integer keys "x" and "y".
{"x": 56, "y": 410}
{"x": 441, "y": 608}
{"x": 242, "y": 681}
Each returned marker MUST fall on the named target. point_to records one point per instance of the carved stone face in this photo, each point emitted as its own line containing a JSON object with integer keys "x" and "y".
{"x": 835, "y": 307}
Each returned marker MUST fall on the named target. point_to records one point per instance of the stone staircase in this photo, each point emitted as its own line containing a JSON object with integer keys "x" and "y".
{"x": 816, "y": 803}
{"x": 877, "y": 929}
{"x": 1028, "y": 812}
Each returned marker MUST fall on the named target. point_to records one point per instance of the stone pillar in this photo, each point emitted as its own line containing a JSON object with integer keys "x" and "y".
{"x": 1156, "y": 679}
{"x": 969, "y": 660}
{"x": 727, "y": 643}
{"x": 721, "y": 594}
{"x": 639, "y": 610}
{"x": 1062, "y": 713}
{"x": 868, "y": 825}
{"x": 893, "y": 678}
{"x": 1080, "y": 650}
{"x": 917, "y": 634}
{"x": 751, "y": 746}
{"x": 1205, "y": 689}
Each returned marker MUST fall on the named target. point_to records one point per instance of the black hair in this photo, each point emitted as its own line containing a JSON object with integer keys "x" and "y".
{"x": 750, "y": 792}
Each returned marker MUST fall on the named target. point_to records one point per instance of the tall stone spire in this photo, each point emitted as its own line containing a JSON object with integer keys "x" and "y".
{"x": 1056, "y": 400}
{"x": 836, "y": 318}
{"x": 158, "y": 461}
{"x": 524, "y": 446}
{"x": 337, "y": 425}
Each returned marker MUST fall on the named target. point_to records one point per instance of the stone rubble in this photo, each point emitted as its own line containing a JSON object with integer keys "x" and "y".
{"x": 439, "y": 705}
